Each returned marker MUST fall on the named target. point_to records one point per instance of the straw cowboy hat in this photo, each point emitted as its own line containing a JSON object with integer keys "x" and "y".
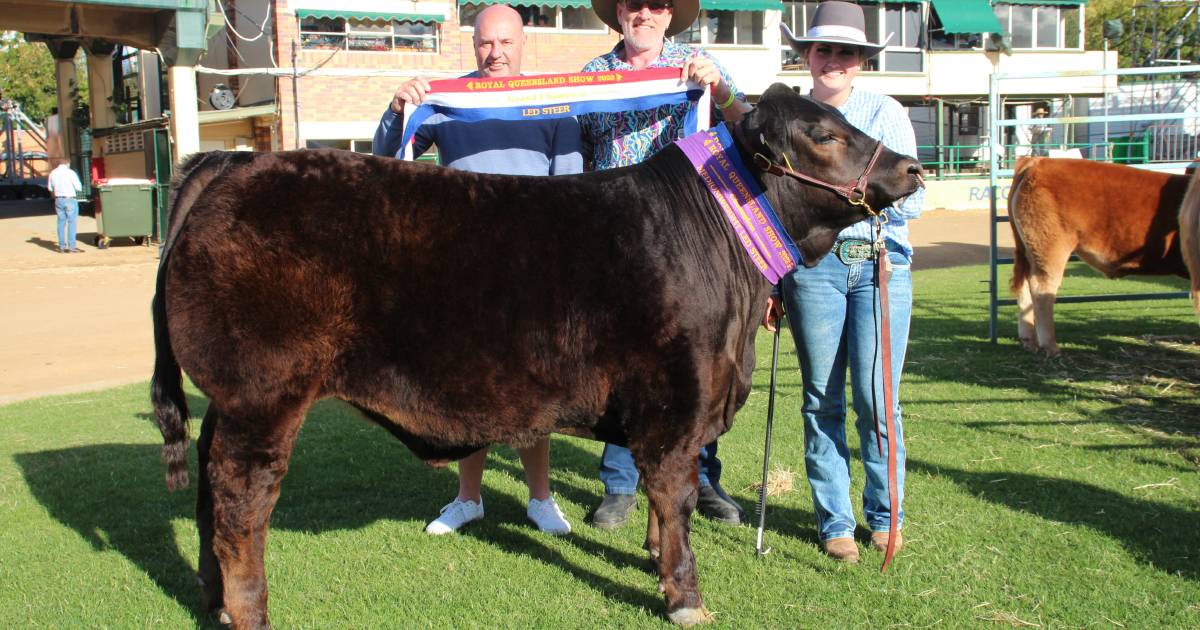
{"x": 835, "y": 23}
{"x": 684, "y": 12}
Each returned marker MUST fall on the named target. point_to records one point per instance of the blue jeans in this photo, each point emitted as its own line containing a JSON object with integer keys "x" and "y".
{"x": 67, "y": 209}
{"x": 620, "y": 476}
{"x": 832, "y": 310}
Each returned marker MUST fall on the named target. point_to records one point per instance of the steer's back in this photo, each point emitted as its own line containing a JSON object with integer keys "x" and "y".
{"x": 1118, "y": 218}
{"x": 425, "y": 293}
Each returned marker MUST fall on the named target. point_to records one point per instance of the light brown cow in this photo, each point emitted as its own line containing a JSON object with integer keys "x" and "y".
{"x": 1189, "y": 235}
{"x": 1118, "y": 219}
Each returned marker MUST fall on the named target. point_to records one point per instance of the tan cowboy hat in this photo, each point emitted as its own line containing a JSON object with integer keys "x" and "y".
{"x": 684, "y": 12}
{"x": 835, "y": 23}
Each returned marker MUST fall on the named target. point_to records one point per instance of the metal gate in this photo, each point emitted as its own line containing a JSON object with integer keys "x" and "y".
{"x": 1154, "y": 132}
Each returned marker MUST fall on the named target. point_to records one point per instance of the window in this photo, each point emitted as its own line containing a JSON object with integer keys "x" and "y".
{"x": 736, "y": 28}
{"x": 328, "y": 33}
{"x": 580, "y": 19}
{"x": 1041, "y": 26}
{"x": 905, "y": 23}
{"x": 904, "y": 20}
{"x": 126, "y": 95}
{"x": 797, "y": 16}
{"x": 939, "y": 39}
{"x": 358, "y": 146}
{"x": 542, "y": 16}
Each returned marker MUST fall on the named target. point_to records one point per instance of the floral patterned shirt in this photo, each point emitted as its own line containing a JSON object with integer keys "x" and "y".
{"x": 625, "y": 138}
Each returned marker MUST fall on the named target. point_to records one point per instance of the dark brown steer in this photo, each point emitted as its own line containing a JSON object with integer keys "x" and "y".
{"x": 1118, "y": 219}
{"x": 459, "y": 310}
{"x": 1189, "y": 235}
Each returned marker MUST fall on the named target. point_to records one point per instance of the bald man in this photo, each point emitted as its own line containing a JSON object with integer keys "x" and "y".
{"x": 549, "y": 147}
{"x": 516, "y": 147}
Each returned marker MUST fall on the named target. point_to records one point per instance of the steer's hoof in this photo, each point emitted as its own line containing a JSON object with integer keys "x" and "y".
{"x": 688, "y": 617}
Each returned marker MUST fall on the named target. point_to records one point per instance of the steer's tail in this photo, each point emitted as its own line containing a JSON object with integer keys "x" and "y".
{"x": 1020, "y": 270}
{"x": 166, "y": 391}
{"x": 166, "y": 385}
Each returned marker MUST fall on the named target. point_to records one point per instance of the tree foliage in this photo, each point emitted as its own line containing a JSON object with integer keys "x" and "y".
{"x": 1152, "y": 30}
{"x": 27, "y": 76}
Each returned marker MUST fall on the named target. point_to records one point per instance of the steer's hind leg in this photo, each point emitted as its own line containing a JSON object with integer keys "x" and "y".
{"x": 671, "y": 483}
{"x": 209, "y": 574}
{"x": 653, "y": 542}
{"x": 1025, "y": 321}
{"x": 248, "y": 458}
{"x": 1044, "y": 282}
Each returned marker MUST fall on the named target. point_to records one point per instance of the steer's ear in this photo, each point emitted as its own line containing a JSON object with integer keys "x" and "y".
{"x": 764, "y": 127}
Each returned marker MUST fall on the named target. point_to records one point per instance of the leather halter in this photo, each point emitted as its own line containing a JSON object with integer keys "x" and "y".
{"x": 855, "y": 192}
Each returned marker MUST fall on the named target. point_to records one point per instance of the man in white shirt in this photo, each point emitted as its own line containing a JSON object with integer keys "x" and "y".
{"x": 64, "y": 184}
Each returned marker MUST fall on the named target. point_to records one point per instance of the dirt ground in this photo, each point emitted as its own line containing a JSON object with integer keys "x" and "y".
{"x": 81, "y": 322}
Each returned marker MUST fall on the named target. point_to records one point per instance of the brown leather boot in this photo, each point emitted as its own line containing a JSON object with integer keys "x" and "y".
{"x": 841, "y": 549}
{"x": 879, "y": 540}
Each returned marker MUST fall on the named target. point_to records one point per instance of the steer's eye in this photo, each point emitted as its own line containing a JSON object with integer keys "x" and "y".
{"x": 824, "y": 137}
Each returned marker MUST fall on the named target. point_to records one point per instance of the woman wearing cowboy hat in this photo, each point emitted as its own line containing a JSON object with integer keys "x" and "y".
{"x": 832, "y": 306}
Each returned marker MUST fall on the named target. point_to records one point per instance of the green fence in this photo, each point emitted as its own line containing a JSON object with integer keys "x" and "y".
{"x": 971, "y": 160}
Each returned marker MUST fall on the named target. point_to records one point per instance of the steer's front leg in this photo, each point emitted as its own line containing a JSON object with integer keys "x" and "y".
{"x": 671, "y": 482}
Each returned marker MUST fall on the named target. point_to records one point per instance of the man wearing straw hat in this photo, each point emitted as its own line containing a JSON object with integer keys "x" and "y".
{"x": 625, "y": 138}
{"x": 832, "y": 307}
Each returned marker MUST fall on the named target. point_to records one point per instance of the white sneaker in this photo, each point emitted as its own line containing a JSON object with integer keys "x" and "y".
{"x": 455, "y": 515}
{"x": 548, "y": 517}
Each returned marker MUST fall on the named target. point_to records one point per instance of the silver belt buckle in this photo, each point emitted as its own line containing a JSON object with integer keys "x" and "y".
{"x": 851, "y": 251}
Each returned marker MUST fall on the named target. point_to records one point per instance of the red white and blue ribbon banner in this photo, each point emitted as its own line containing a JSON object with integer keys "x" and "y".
{"x": 741, "y": 198}
{"x": 558, "y": 96}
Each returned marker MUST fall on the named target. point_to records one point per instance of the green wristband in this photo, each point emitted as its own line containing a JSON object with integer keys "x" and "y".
{"x": 729, "y": 101}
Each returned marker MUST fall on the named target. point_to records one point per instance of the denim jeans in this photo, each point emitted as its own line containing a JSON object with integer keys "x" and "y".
{"x": 620, "y": 476}
{"x": 67, "y": 209}
{"x": 832, "y": 310}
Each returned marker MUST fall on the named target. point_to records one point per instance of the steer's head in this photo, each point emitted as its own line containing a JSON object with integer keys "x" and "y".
{"x": 814, "y": 139}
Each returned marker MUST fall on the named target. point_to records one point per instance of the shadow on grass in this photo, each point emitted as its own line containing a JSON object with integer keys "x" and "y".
{"x": 1160, "y": 535}
{"x": 113, "y": 496}
{"x": 1150, "y": 380}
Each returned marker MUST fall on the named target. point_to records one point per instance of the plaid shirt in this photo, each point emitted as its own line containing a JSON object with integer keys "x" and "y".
{"x": 625, "y": 138}
{"x": 884, "y": 119}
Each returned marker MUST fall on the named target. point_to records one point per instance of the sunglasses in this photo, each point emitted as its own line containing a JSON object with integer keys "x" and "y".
{"x": 655, "y": 6}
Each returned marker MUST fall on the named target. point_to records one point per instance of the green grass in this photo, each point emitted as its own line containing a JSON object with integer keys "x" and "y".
{"x": 1040, "y": 493}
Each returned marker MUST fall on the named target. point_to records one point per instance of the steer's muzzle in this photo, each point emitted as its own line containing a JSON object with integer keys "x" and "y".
{"x": 916, "y": 172}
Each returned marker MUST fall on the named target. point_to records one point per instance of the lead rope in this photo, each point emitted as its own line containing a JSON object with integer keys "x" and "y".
{"x": 882, "y": 275}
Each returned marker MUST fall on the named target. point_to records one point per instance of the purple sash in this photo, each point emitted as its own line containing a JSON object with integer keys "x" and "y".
{"x": 746, "y": 208}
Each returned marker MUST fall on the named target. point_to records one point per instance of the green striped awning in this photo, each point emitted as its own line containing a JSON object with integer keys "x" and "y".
{"x": 715, "y": 5}
{"x": 566, "y": 4}
{"x": 370, "y": 15}
{"x": 1058, "y": 2}
{"x": 742, "y": 5}
{"x": 966, "y": 16}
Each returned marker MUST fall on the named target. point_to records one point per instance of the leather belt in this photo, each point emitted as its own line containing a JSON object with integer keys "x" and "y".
{"x": 852, "y": 250}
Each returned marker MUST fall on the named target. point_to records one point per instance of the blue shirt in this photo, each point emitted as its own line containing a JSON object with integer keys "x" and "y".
{"x": 884, "y": 119}
{"x": 505, "y": 147}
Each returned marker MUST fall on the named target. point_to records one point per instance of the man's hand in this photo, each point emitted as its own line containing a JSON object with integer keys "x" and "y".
{"x": 412, "y": 92}
{"x": 703, "y": 71}
{"x": 771, "y": 316}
